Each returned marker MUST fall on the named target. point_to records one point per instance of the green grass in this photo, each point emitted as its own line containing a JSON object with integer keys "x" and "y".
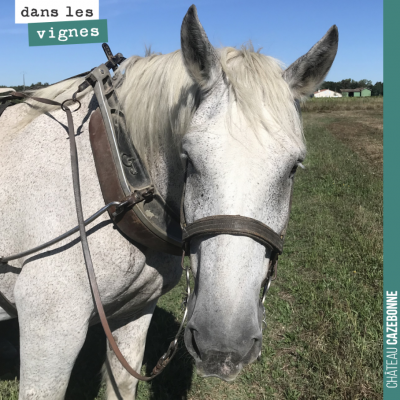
{"x": 342, "y": 104}
{"x": 9, "y": 390}
{"x": 324, "y": 312}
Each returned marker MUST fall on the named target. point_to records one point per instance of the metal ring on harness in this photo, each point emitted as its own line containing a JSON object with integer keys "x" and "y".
{"x": 74, "y": 100}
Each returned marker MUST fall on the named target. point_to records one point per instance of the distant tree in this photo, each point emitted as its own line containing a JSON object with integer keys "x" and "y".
{"x": 377, "y": 89}
{"x": 33, "y": 86}
{"x": 346, "y": 84}
{"x": 39, "y": 85}
{"x": 329, "y": 85}
{"x": 365, "y": 83}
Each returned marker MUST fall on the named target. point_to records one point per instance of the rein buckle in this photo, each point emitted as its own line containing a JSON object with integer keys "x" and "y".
{"x": 137, "y": 196}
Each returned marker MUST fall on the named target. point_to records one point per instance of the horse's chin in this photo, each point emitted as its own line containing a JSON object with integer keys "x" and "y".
{"x": 225, "y": 366}
{"x": 225, "y": 372}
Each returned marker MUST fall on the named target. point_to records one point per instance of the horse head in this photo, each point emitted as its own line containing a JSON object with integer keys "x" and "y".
{"x": 242, "y": 150}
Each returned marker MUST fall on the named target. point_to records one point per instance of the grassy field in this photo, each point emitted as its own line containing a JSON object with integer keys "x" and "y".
{"x": 324, "y": 312}
{"x": 342, "y": 104}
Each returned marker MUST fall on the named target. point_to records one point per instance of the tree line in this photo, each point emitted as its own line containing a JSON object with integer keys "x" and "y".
{"x": 20, "y": 88}
{"x": 376, "y": 89}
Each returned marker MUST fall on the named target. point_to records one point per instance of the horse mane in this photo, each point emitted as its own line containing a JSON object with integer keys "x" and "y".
{"x": 159, "y": 97}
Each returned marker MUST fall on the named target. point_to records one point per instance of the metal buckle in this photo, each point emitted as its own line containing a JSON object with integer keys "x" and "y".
{"x": 136, "y": 197}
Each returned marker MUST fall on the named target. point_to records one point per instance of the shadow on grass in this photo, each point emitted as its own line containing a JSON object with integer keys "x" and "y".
{"x": 175, "y": 381}
{"x": 85, "y": 382}
{"x": 86, "y": 376}
{"x": 85, "y": 379}
{"x": 9, "y": 350}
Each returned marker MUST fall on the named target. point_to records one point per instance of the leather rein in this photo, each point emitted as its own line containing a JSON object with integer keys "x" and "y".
{"x": 127, "y": 204}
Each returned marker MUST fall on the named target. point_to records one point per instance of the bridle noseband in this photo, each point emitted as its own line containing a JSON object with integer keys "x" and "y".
{"x": 234, "y": 225}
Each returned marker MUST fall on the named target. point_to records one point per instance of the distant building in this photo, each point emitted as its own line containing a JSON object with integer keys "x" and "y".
{"x": 360, "y": 92}
{"x": 326, "y": 93}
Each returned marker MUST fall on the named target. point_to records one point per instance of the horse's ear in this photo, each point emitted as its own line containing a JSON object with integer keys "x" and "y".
{"x": 200, "y": 58}
{"x": 309, "y": 71}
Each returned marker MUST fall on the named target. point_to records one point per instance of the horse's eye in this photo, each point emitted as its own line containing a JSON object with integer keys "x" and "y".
{"x": 293, "y": 171}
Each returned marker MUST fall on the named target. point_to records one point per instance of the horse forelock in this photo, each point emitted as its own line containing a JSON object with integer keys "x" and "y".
{"x": 261, "y": 94}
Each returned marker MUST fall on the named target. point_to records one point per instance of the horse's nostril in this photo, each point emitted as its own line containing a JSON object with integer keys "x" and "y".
{"x": 254, "y": 344}
{"x": 194, "y": 344}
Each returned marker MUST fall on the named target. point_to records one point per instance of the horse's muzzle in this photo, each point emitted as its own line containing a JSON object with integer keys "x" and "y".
{"x": 227, "y": 363}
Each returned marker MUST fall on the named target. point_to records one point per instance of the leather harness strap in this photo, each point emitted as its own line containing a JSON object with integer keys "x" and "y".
{"x": 7, "y": 306}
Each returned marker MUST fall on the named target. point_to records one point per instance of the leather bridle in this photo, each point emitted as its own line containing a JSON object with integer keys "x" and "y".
{"x": 234, "y": 225}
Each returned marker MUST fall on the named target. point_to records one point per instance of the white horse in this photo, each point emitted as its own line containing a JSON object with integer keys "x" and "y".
{"x": 232, "y": 114}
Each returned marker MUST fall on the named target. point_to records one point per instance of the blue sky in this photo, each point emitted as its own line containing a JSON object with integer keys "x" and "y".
{"x": 284, "y": 29}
